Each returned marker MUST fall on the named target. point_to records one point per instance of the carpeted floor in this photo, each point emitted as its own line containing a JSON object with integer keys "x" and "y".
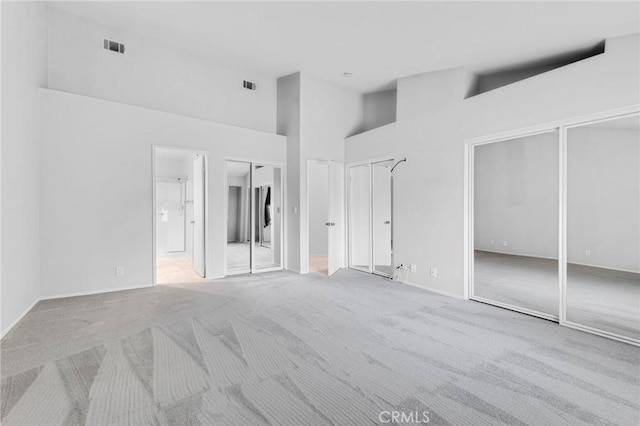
{"x": 281, "y": 348}
{"x": 239, "y": 257}
{"x": 604, "y": 299}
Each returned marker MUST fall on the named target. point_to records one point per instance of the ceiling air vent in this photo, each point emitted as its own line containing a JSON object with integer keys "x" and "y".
{"x": 249, "y": 85}
{"x": 112, "y": 46}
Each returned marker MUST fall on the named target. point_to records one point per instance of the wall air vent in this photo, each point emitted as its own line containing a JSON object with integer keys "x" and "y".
{"x": 249, "y": 85}
{"x": 112, "y": 46}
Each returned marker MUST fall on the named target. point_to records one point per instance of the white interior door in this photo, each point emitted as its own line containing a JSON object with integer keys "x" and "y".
{"x": 198, "y": 216}
{"x": 336, "y": 222}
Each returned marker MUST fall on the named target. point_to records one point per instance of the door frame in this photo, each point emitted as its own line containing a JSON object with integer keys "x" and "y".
{"x": 154, "y": 254}
{"x": 561, "y": 126}
{"x": 225, "y": 206}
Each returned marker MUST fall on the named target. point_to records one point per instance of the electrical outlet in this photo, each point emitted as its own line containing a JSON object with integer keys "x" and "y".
{"x": 587, "y": 252}
{"x": 434, "y": 271}
{"x": 119, "y": 271}
{"x": 493, "y": 242}
{"x": 504, "y": 243}
{"x": 413, "y": 268}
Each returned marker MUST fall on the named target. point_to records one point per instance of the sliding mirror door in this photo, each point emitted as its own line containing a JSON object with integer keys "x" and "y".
{"x": 238, "y": 217}
{"x": 267, "y": 244}
{"x": 603, "y": 227}
{"x": 360, "y": 217}
{"x": 515, "y": 224}
{"x": 381, "y": 217}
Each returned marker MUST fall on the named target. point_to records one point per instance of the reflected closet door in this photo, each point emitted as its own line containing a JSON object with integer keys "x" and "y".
{"x": 381, "y": 218}
{"x": 267, "y": 182}
{"x": 603, "y": 227}
{"x": 516, "y": 224}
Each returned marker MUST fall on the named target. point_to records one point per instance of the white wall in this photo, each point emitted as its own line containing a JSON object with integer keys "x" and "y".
{"x": 155, "y": 75}
{"x": 96, "y": 162}
{"x": 318, "y": 180}
{"x": 379, "y": 109}
{"x": 24, "y": 70}
{"x": 328, "y": 114}
{"x": 433, "y": 123}
{"x": 516, "y": 196}
{"x": 603, "y": 197}
{"x": 289, "y": 126}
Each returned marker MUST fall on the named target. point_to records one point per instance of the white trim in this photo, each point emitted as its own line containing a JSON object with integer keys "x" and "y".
{"x": 467, "y": 226}
{"x": 515, "y": 308}
{"x": 91, "y": 293}
{"x": 17, "y": 320}
{"x": 562, "y": 226}
{"x": 535, "y": 256}
{"x": 602, "y": 333}
{"x": 431, "y": 289}
{"x": 382, "y": 159}
{"x": 542, "y": 128}
{"x": 608, "y": 268}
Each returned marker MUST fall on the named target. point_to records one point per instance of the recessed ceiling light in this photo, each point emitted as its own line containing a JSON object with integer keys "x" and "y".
{"x": 347, "y": 74}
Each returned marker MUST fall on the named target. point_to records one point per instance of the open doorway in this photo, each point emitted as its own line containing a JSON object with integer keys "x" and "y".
{"x": 325, "y": 216}
{"x": 318, "y": 193}
{"x": 179, "y": 215}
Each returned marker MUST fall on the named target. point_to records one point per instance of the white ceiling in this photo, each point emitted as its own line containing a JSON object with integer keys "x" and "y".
{"x": 376, "y": 41}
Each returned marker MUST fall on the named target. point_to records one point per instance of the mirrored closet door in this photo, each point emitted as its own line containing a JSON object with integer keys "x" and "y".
{"x": 381, "y": 217}
{"x": 516, "y": 224}
{"x": 370, "y": 217}
{"x": 603, "y": 226}
{"x": 254, "y": 218}
{"x": 267, "y": 242}
{"x": 359, "y": 217}
{"x": 239, "y": 215}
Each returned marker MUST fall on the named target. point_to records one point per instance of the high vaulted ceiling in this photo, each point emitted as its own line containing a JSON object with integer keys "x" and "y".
{"x": 376, "y": 41}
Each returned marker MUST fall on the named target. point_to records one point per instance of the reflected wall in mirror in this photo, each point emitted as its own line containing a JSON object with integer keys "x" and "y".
{"x": 515, "y": 223}
{"x": 359, "y": 218}
{"x": 267, "y": 189}
{"x": 238, "y": 217}
{"x": 382, "y": 217}
{"x": 603, "y": 226}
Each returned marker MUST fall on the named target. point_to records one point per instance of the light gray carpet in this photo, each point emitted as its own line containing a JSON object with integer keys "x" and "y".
{"x": 601, "y": 298}
{"x": 239, "y": 255}
{"x": 281, "y": 348}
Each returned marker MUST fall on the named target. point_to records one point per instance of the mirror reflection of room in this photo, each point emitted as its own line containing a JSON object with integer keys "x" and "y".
{"x": 516, "y": 222}
{"x": 238, "y": 217}
{"x": 267, "y": 189}
{"x": 174, "y": 198}
{"x": 603, "y": 226}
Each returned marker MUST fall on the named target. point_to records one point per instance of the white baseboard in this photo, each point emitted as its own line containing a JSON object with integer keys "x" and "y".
{"x": 89, "y": 293}
{"x": 14, "y": 323}
{"x": 431, "y": 289}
